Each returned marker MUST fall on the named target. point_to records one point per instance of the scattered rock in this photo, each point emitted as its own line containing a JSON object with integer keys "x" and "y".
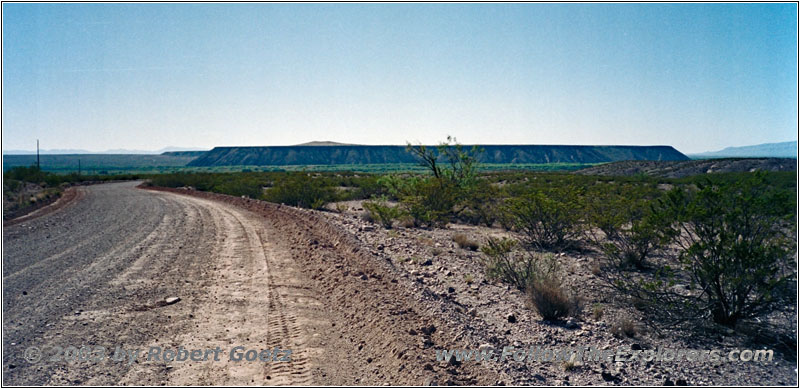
{"x": 512, "y": 319}
{"x": 428, "y": 330}
{"x": 608, "y": 377}
{"x": 171, "y": 300}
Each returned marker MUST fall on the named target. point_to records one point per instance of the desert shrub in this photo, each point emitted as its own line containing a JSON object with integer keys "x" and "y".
{"x": 551, "y": 300}
{"x": 382, "y": 212}
{"x": 481, "y": 204}
{"x": 465, "y": 242}
{"x": 548, "y": 220}
{"x": 520, "y": 269}
{"x": 735, "y": 257}
{"x": 631, "y": 231}
{"x": 430, "y": 202}
{"x": 301, "y": 190}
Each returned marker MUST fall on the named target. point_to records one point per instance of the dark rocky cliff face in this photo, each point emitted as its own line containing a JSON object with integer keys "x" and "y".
{"x": 336, "y": 155}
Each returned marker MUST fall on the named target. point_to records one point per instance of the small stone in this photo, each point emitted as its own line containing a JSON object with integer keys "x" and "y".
{"x": 172, "y": 300}
{"x": 427, "y": 263}
{"x": 512, "y": 319}
{"x": 608, "y": 376}
{"x": 571, "y": 325}
{"x": 427, "y": 330}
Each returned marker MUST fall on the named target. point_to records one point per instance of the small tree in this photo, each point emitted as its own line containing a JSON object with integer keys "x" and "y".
{"x": 437, "y": 199}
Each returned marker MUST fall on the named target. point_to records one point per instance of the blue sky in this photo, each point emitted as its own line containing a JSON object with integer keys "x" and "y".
{"x": 144, "y": 76}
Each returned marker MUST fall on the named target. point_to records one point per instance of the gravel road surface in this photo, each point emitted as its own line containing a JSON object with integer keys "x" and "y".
{"x": 97, "y": 274}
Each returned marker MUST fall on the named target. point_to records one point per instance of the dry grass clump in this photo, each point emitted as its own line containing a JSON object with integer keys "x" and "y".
{"x": 550, "y": 299}
{"x": 597, "y": 311}
{"x": 624, "y": 327}
{"x": 465, "y": 243}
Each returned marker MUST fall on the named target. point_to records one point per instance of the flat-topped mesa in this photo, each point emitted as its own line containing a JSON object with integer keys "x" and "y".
{"x": 367, "y": 154}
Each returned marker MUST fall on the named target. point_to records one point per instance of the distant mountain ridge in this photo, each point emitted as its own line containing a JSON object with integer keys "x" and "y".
{"x": 764, "y": 150}
{"x": 333, "y": 154}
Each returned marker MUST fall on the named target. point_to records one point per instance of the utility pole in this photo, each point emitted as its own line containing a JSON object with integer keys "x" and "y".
{"x": 38, "y": 166}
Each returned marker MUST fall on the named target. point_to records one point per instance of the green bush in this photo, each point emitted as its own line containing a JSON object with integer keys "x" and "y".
{"x": 630, "y": 230}
{"x": 549, "y": 220}
{"x": 382, "y": 212}
{"x": 735, "y": 259}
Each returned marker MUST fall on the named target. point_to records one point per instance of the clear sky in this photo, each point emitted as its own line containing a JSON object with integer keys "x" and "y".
{"x": 144, "y": 76}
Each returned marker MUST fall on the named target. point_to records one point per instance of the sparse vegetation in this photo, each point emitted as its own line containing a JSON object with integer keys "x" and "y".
{"x": 715, "y": 247}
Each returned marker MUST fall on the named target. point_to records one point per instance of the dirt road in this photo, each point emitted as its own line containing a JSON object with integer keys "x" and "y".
{"x": 96, "y": 274}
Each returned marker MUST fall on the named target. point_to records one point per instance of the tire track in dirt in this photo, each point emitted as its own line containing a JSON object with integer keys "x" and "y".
{"x": 383, "y": 328}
